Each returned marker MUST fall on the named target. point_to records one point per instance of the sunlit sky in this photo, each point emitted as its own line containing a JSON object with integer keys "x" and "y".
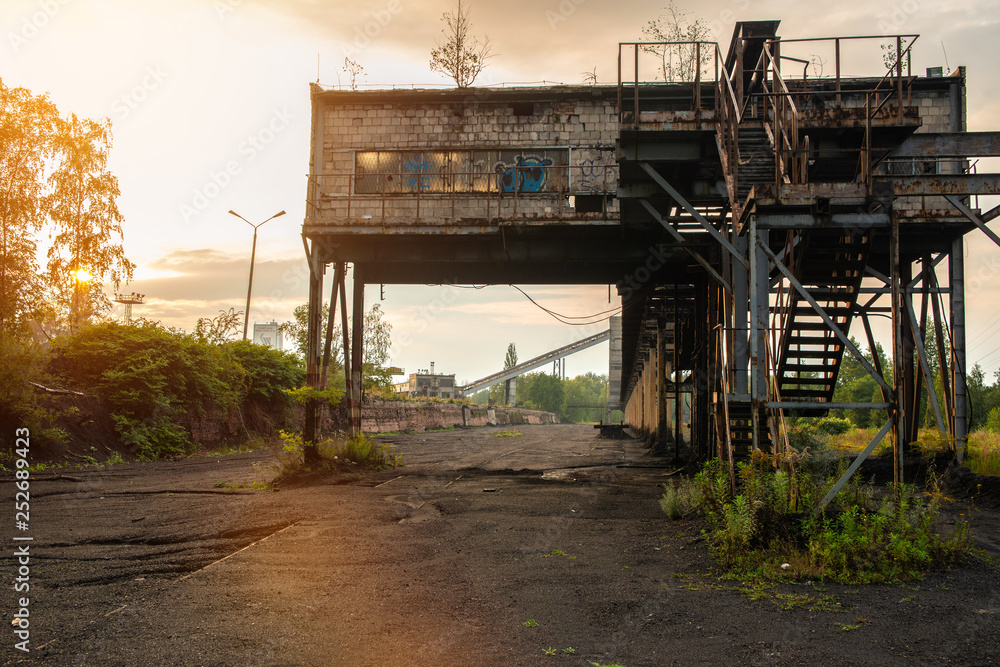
{"x": 192, "y": 86}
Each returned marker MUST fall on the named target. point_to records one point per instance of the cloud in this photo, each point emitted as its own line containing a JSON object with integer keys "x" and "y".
{"x": 199, "y": 282}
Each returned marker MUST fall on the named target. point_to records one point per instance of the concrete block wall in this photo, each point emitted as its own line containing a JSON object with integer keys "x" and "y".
{"x": 390, "y": 416}
{"x": 585, "y": 128}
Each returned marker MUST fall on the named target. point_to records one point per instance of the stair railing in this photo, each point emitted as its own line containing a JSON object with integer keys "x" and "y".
{"x": 785, "y": 118}
{"x": 729, "y": 113}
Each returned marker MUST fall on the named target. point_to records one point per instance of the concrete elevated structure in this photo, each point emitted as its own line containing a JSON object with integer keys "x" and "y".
{"x": 749, "y": 216}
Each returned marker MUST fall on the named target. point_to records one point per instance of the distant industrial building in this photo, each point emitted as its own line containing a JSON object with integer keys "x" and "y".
{"x": 428, "y": 384}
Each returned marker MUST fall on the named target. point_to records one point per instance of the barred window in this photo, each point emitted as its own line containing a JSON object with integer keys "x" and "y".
{"x": 441, "y": 172}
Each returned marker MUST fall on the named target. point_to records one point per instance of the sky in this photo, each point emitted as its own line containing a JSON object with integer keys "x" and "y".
{"x": 209, "y": 101}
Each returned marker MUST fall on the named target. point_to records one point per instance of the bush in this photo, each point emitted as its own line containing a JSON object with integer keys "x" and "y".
{"x": 152, "y": 376}
{"x": 769, "y": 521}
{"x": 833, "y": 425}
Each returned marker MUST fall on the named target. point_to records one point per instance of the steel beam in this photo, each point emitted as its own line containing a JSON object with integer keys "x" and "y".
{"x": 950, "y": 144}
{"x": 795, "y": 405}
{"x": 702, "y": 220}
{"x": 854, "y": 466}
{"x": 808, "y": 221}
{"x": 357, "y": 350}
{"x": 975, "y": 219}
{"x": 694, "y": 253}
{"x": 943, "y": 184}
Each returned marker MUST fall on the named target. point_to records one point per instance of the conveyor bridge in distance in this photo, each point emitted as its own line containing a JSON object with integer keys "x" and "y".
{"x": 752, "y": 215}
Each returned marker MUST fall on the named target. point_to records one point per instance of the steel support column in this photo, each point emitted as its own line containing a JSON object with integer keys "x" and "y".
{"x": 739, "y": 353}
{"x": 313, "y": 329}
{"x": 357, "y": 350}
{"x": 661, "y": 390}
{"x": 956, "y": 267}
{"x": 759, "y": 296}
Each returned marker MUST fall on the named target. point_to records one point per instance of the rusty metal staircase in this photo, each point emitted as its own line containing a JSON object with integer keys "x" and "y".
{"x": 830, "y": 264}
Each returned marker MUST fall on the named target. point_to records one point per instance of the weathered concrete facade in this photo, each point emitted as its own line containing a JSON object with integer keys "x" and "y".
{"x": 413, "y": 157}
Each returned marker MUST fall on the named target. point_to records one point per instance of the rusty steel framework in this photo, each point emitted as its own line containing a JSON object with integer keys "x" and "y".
{"x": 756, "y": 213}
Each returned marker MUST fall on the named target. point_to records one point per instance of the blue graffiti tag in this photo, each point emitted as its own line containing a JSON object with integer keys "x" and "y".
{"x": 418, "y": 166}
{"x": 529, "y": 174}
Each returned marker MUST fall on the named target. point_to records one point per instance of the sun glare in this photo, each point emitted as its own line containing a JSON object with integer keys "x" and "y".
{"x": 83, "y": 275}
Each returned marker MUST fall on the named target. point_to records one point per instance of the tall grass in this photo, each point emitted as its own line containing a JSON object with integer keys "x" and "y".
{"x": 984, "y": 453}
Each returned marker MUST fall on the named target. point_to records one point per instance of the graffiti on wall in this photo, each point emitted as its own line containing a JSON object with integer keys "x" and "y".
{"x": 527, "y": 174}
{"x": 596, "y": 170}
{"x": 417, "y": 168}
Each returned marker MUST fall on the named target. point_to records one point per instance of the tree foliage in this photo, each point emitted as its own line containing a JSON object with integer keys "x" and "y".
{"x": 54, "y": 176}
{"x": 377, "y": 343}
{"x": 462, "y": 57}
{"x": 219, "y": 329}
{"x": 678, "y": 62}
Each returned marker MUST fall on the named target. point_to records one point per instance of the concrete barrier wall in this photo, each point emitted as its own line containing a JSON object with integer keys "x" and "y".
{"x": 386, "y": 416}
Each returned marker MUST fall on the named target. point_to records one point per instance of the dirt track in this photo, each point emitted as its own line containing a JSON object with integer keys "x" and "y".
{"x": 441, "y": 562}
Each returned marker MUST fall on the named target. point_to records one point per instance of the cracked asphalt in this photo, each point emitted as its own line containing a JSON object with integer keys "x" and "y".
{"x": 445, "y": 561}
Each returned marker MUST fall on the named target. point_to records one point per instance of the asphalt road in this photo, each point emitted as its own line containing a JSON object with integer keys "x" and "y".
{"x": 482, "y": 550}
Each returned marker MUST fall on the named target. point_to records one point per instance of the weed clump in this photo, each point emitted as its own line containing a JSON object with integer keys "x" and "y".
{"x": 362, "y": 451}
{"x": 768, "y": 528}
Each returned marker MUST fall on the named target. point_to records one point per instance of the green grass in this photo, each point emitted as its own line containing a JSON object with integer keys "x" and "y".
{"x": 511, "y": 433}
{"x": 530, "y": 623}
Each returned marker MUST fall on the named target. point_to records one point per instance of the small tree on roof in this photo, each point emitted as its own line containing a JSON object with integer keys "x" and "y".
{"x": 462, "y": 57}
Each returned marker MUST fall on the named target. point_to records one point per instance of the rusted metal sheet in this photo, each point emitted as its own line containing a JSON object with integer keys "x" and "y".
{"x": 806, "y": 194}
{"x": 841, "y": 117}
{"x": 964, "y": 184}
{"x": 806, "y": 220}
{"x": 950, "y": 144}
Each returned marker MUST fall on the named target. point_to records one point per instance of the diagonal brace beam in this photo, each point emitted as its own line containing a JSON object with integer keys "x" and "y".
{"x": 972, "y": 216}
{"x": 702, "y": 220}
{"x": 680, "y": 239}
{"x": 826, "y": 318}
{"x": 931, "y": 392}
{"x": 854, "y": 466}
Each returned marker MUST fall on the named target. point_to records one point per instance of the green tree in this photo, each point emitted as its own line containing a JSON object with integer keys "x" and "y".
{"x": 377, "y": 343}
{"x": 856, "y": 385}
{"x": 462, "y": 57}
{"x": 219, "y": 329}
{"x": 53, "y": 173}
{"x": 511, "y": 359}
{"x": 85, "y": 219}
{"x": 27, "y": 127}
{"x": 542, "y": 391}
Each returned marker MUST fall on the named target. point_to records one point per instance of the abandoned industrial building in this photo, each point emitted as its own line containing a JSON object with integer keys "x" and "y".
{"x": 751, "y": 216}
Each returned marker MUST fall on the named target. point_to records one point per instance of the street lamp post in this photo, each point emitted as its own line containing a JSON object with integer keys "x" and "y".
{"x": 253, "y": 255}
